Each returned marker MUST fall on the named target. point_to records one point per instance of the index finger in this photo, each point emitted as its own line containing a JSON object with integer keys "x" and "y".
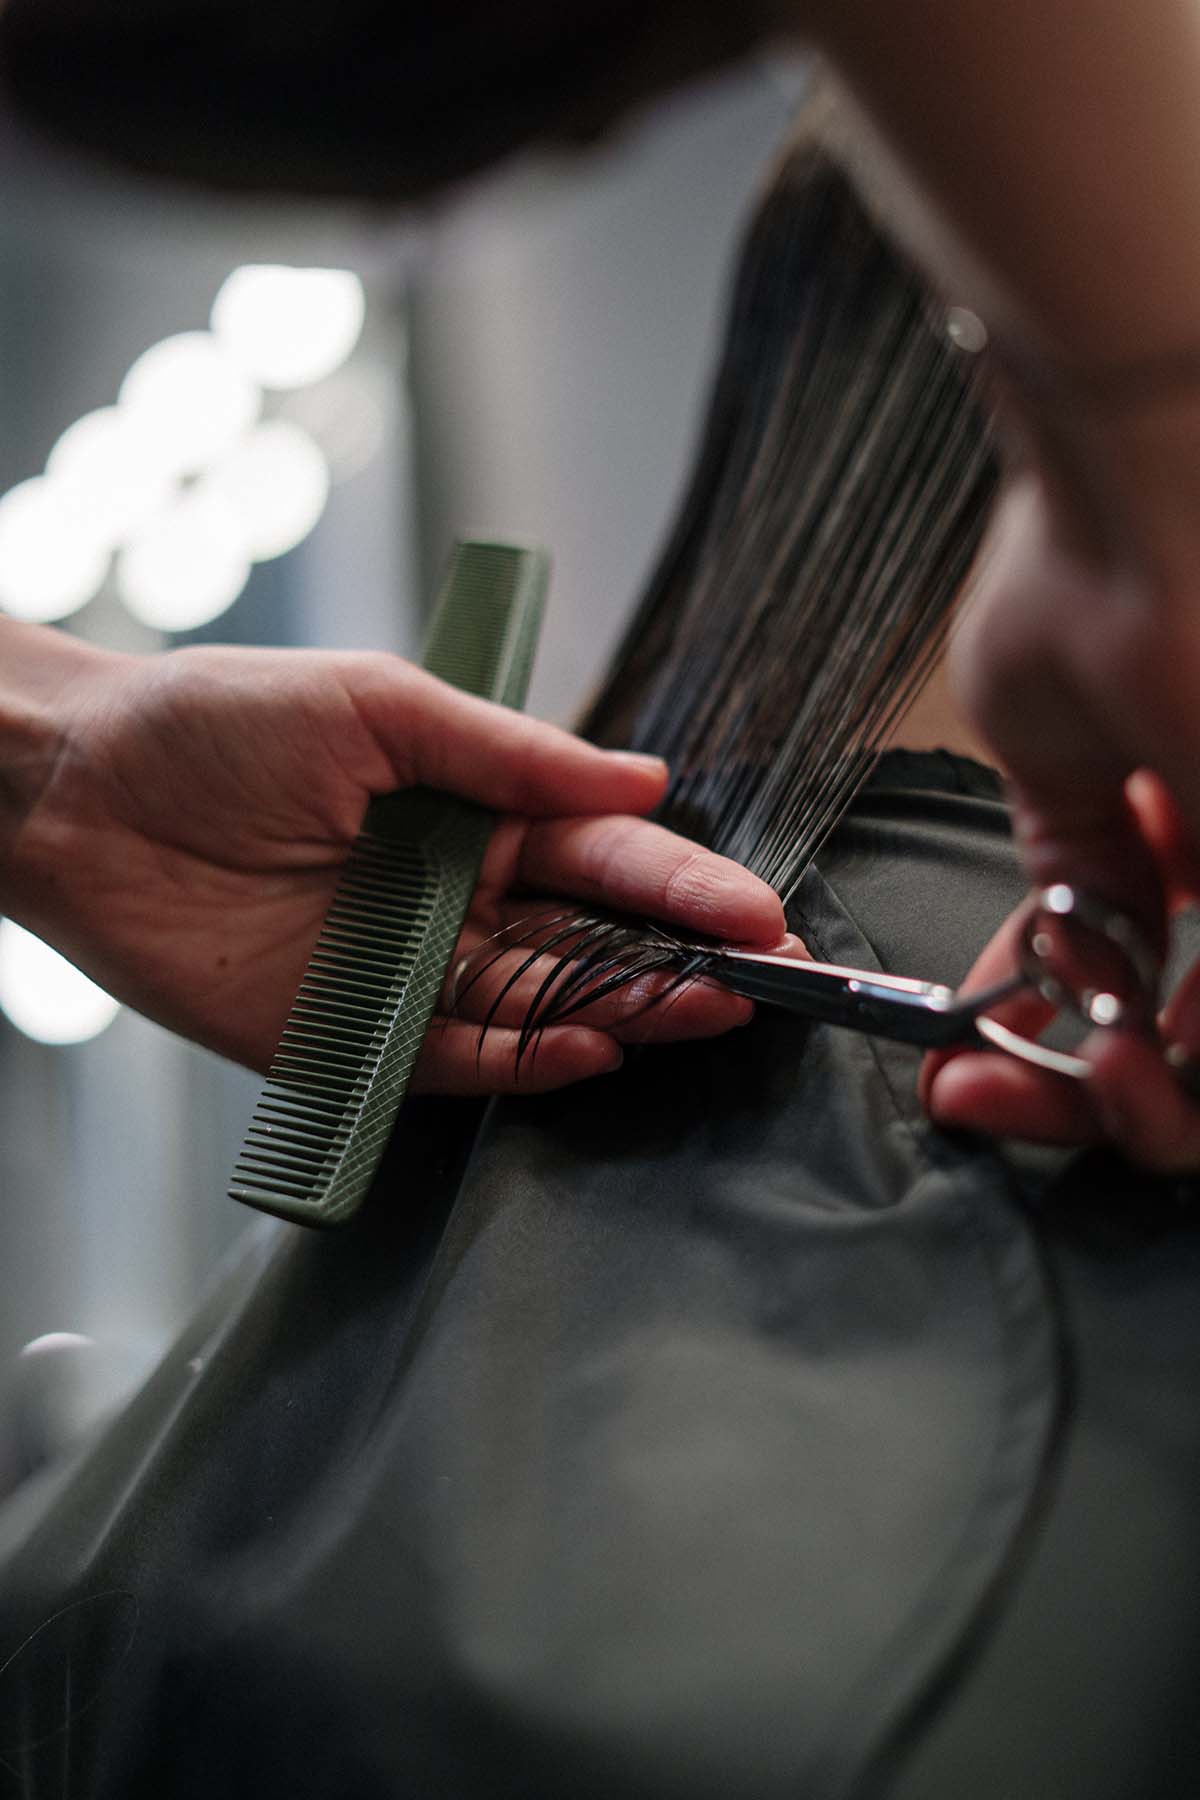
{"x": 635, "y": 866}
{"x": 436, "y": 736}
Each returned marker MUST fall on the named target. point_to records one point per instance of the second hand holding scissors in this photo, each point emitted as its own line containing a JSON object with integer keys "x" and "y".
{"x": 1078, "y": 953}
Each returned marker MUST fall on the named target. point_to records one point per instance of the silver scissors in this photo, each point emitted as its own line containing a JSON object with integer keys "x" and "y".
{"x": 1085, "y": 957}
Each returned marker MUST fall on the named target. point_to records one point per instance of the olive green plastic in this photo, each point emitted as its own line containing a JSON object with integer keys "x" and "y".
{"x": 343, "y": 1063}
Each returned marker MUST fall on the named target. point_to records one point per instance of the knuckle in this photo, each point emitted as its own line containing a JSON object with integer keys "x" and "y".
{"x": 610, "y": 848}
{"x": 531, "y": 764}
{"x": 689, "y": 884}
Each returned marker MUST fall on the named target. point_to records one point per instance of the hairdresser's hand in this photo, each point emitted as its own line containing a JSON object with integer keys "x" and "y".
{"x": 1132, "y": 1100}
{"x": 176, "y": 826}
{"x": 1080, "y": 661}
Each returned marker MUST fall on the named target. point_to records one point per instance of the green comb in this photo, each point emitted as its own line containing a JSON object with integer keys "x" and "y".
{"x": 339, "y": 1074}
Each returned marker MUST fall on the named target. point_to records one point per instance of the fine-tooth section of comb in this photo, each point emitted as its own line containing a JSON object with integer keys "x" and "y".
{"x": 343, "y": 1062}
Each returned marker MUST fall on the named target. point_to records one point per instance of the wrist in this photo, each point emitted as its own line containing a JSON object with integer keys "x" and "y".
{"x": 43, "y": 676}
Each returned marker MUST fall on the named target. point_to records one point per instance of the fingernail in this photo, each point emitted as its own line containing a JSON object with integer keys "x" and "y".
{"x": 1185, "y": 1067}
{"x": 635, "y": 760}
{"x": 736, "y": 1008}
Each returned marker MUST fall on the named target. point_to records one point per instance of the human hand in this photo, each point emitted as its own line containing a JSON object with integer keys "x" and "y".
{"x": 177, "y": 824}
{"x": 1079, "y": 660}
{"x": 1133, "y": 1098}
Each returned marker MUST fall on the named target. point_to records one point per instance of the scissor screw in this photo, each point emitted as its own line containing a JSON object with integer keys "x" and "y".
{"x": 1103, "y": 1009}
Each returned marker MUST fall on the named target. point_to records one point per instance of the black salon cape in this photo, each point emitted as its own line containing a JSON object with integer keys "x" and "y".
{"x": 721, "y": 1430}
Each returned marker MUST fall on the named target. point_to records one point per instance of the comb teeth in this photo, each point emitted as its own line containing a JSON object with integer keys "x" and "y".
{"x": 485, "y": 631}
{"x": 356, "y": 1027}
{"x": 339, "y": 1025}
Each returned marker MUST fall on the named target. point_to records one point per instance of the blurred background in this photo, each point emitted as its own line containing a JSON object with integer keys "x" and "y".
{"x": 234, "y": 422}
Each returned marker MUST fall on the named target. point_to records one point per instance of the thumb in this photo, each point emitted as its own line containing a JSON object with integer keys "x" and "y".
{"x": 1072, "y": 818}
{"x": 434, "y": 735}
{"x": 1087, "y": 834}
{"x": 1019, "y": 666}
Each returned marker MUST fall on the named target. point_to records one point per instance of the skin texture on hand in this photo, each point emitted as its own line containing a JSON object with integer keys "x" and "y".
{"x": 176, "y": 825}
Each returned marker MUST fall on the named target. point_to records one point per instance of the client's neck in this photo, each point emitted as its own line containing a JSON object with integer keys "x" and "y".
{"x": 935, "y": 722}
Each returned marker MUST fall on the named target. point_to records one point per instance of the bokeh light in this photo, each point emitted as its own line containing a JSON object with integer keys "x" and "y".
{"x": 49, "y": 567}
{"x": 187, "y": 567}
{"x": 275, "y": 484}
{"x": 349, "y": 416}
{"x": 179, "y": 479}
{"x": 44, "y": 995}
{"x": 110, "y": 474}
{"x": 287, "y": 327}
{"x": 190, "y": 401}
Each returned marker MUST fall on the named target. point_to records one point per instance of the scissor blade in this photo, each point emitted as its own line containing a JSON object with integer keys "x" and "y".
{"x": 889, "y": 1006}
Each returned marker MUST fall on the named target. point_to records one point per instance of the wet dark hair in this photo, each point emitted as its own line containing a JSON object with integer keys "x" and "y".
{"x": 844, "y": 479}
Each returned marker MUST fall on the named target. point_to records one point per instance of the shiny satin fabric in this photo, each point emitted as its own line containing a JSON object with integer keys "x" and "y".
{"x": 718, "y": 1429}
